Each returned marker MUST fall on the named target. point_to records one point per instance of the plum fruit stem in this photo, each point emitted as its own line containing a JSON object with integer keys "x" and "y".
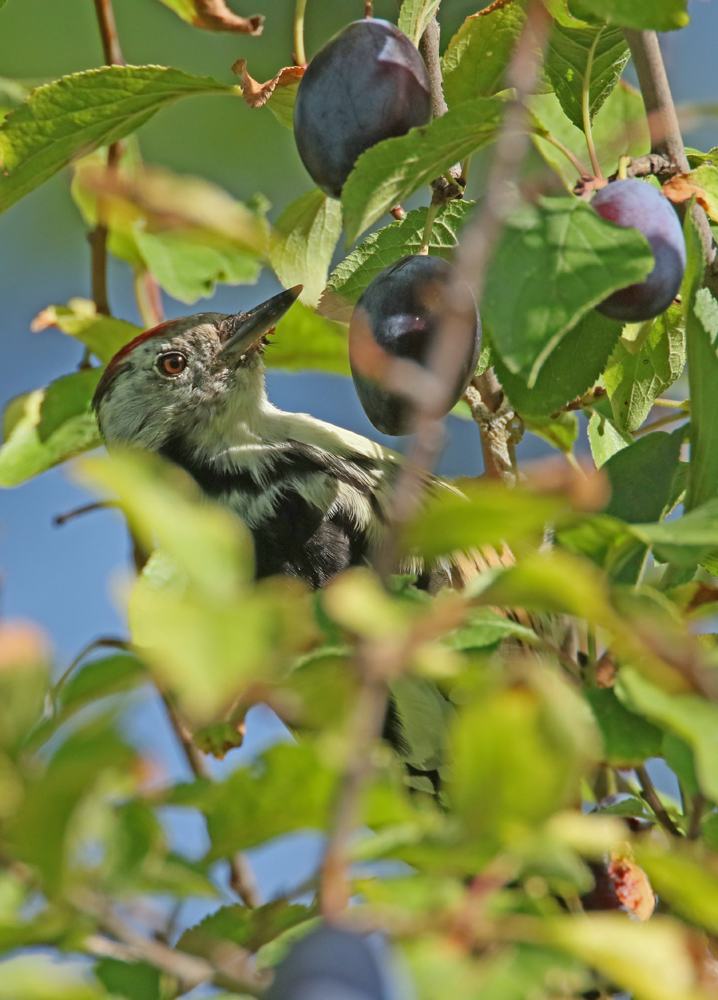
{"x": 428, "y": 226}
{"x": 300, "y": 56}
{"x": 576, "y": 163}
{"x": 586, "y": 107}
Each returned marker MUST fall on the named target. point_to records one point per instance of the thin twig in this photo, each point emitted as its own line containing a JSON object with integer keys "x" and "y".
{"x": 671, "y": 418}
{"x": 88, "y": 508}
{"x": 695, "y": 829}
{"x": 429, "y": 46}
{"x": 649, "y": 793}
{"x": 108, "y": 33}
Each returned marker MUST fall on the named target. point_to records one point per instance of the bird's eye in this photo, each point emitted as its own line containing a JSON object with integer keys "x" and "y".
{"x": 172, "y": 363}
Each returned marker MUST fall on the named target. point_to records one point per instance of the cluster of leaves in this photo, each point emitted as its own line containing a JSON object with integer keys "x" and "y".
{"x": 546, "y": 816}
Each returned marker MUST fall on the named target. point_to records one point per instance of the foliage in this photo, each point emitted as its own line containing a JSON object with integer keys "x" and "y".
{"x": 534, "y": 696}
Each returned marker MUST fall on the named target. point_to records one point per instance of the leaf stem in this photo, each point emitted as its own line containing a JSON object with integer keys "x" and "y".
{"x": 576, "y": 163}
{"x": 428, "y": 226}
{"x": 671, "y": 418}
{"x": 586, "y": 107}
{"x": 650, "y": 795}
{"x": 148, "y": 298}
{"x": 300, "y": 56}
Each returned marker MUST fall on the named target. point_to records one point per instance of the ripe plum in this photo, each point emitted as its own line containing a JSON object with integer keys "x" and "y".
{"x": 635, "y": 204}
{"x": 328, "y": 964}
{"x": 397, "y": 316}
{"x": 368, "y": 83}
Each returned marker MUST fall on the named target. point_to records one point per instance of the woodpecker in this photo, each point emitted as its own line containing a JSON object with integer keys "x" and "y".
{"x": 315, "y": 497}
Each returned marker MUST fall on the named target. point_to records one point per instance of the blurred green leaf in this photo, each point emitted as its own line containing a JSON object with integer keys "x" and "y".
{"x": 605, "y": 439}
{"x": 689, "y": 716}
{"x": 640, "y": 369}
{"x": 559, "y": 258}
{"x": 24, "y": 681}
{"x": 685, "y": 879}
{"x": 475, "y": 60}
{"x": 643, "y": 15}
{"x": 425, "y": 715}
{"x": 78, "y": 113}
{"x": 641, "y": 478}
{"x": 686, "y": 539}
{"x": 189, "y": 270}
{"x": 628, "y": 738}
{"x": 653, "y": 960}
{"x": 680, "y": 758}
{"x": 518, "y": 752}
{"x": 567, "y": 60}
{"x": 486, "y": 514}
{"x": 303, "y": 339}
{"x": 570, "y": 370}
{"x": 414, "y": 17}
{"x": 389, "y": 172}
{"x": 104, "y": 335}
{"x": 619, "y": 127}
{"x": 12, "y": 92}
{"x": 23, "y": 455}
{"x": 487, "y": 628}
{"x": 162, "y": 503}
{"x": 67, "y": 397}
{"x": 99, "y": 679}
{"x": 40, "y": 977}
{"x": 133, "y": 980}
{"x": 287, "y": 789}
{"x": 303, "y": 242}
{"x": 378, "y": 250}
{"x": 560, "y": 431}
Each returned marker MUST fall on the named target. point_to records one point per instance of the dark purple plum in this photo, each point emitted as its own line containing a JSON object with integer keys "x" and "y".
{"x": 397, "y": 316}
{"x": 638, "y": 205}
{"x": 368, "y": 83}
{"x": 328, "y": 964}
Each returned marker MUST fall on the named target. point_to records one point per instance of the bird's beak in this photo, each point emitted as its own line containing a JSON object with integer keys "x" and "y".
{"x": 251, "y": 327}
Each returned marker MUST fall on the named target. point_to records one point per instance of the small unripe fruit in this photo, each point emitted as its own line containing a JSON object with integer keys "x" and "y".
{"x": 398, "y": 316}
{"x": 368, "y": 83}
{"x": 328, "y": 964}
{"x": 635, "y": 204}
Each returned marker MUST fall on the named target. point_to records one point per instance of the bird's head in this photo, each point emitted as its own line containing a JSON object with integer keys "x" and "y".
{"x": 186, "y": 373}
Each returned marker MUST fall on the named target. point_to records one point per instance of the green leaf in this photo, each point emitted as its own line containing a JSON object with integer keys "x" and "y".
{"x": 415, "y": 16}
{"x": 570, "y": 370}
{"x": 425, "y": 715}
{"x": 561, "y": 431}
{"x": 188, "y": 270}
{"x": 619, "y": 127}
{"x": 640, "y": 369}
{"x": 558, "y": 258}
{"x": 701, "y": 349}
{"x": 389, "y": 172}
{"x": 686, "y": 539}
{"x": 485, "y": 515}
{"x": 641, "y": 478}
{"x": 40, "y": 976}
{"x": 303, "y": 339}
{"x": 679, "y": 757}
{"x": 385, "y": 247}
{"x": 67, "y": 397}
{"x": 628, "y": 739}
{"x": 518, "y": 753}
{"x": 78, "y": 113}
{"x": 133, "y": 980}
{"x": 303, "y": 242}
{"x": 487, "y": 628}
{"x": 98, "y": 679}
{"x": 567, "y": 58}
{"x": 605, "y": 439}
{"x": 250, "y": 929}
{"x": 104, "y": 335}
{"x": 643, "y": 15}
{"x": 686, "y": 880}
{"x": 287, "y": 790}
{"x": 476, "y": 58}
{"x": 24, "y": 455}
{"x": 689, "y": 716}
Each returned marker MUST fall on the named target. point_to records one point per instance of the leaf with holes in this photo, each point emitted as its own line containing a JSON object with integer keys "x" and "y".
{"x": 644, "y": 366}
{"x": 605, "y": 439}
{"x": 555, "y": 261}
{"x": 303, "y": 242}
{"x": 385, "y": 247}
{"x": 476, "y": 58}
{"x": 567, "y": 62}
{"x": 389, "y": 172}
{"x": 76, "y": 114}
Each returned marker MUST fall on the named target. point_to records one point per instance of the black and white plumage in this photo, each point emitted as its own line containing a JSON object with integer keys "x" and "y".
{"x": 315, "y": 497}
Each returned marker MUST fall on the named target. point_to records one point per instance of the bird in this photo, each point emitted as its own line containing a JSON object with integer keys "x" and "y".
{"x": 315, "y": 497}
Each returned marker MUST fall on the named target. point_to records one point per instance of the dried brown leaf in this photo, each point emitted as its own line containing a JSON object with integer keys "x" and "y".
{"x": 632, "y": 886}
{"x": 680, "y": 189}
{"x": 215, "y": 15}
{"x": 257, "y": 94}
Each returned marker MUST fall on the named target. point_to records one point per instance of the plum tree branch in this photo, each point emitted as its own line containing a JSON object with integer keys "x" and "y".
{"x": 665, "y": 132}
